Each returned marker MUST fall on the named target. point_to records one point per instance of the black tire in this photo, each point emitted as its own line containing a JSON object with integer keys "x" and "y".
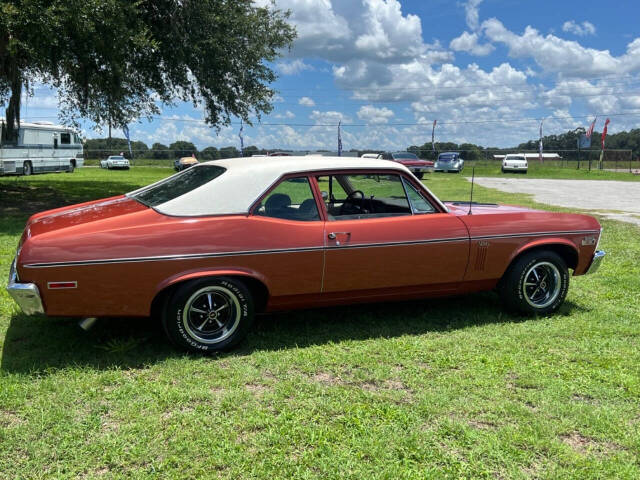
{"x": 205, "y": 332}
{"x": 419, "y": 175}
{"x": 535, "y": 284}
{"x": 27, "y": 169}
{"x": 71, "y": 168}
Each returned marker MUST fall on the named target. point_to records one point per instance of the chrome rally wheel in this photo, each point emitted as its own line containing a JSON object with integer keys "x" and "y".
{"x": 536, "y": 283}
{"x": 541, "y": 284}
{"x": 209, "y": 314}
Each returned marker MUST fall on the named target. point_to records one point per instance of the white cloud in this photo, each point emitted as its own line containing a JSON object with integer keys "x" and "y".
{"x": 371, "y": 114}
{"x": 468, "y": 42}
{"x": 306, "y": 102}
{"x": 329, "y": 118}
{"x": 472, "y": 14}
{"x": 294, "y": 67}
{"x": 288, "y": 115}
{"x": 566, "y": 57}
{"x": 583, "y": 29}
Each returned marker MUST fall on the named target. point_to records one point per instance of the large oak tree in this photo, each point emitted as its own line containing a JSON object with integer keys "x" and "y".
{"x": 115, "y": 60}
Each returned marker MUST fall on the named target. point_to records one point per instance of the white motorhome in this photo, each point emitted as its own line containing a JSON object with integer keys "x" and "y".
{"x": 40, "y": 148}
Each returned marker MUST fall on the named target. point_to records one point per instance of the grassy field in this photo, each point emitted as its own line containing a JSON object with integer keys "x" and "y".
{"x": 450, "y": 388}
{"x": 548, "y": 170}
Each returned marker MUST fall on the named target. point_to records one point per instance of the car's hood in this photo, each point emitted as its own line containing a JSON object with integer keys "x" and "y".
{"x": 81, "y": 214}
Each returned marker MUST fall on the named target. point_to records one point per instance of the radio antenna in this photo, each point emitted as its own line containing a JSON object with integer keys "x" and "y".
{"x": 473, "y": 177}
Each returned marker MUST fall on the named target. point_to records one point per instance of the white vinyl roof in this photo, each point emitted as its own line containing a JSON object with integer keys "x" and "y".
{"x": 247, "y": 179}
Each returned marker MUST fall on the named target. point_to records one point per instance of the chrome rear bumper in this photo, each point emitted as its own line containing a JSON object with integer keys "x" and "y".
{"x": 26, "y": 295}
{"x": 595, "y": 262}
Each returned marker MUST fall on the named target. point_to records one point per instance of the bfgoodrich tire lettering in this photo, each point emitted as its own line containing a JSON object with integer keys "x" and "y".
{"x": 209, "y": 315}
{"x": 536, "y": 283}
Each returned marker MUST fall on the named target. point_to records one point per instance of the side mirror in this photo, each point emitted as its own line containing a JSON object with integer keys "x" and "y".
{"x": 325, "y": 195}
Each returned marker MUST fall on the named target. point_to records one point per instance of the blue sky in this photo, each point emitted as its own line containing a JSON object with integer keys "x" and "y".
{"x": 485, "y": 69}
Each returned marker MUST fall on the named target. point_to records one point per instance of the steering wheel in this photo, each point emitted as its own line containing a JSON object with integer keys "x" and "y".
{"x": 349, "y": 207}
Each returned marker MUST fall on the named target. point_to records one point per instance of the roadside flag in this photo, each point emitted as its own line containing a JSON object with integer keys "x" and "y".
{"x": 540, "y": 144}
{"x": 241, "y": 139}
{"x": 590, "y": 130}
{"x": 433, "y": 136}
{"x": 604, "y": 132}
{"x": 339, "y": 139}
{"x": 125, "y": 130}
{"x": 604, "y": 135}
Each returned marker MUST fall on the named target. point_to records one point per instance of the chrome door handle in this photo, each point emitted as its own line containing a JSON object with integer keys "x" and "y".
{"x": 333, "y": 235}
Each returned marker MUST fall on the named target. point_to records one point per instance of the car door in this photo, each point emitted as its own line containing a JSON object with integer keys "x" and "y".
{"x": 383, "y": 232}
{"x": 288, "y": 230}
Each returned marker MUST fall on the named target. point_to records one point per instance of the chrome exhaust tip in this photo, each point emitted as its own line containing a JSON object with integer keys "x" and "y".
{"x": 87, "y": 323}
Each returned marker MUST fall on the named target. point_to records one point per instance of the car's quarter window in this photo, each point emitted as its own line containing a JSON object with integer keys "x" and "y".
{"x": 354, "y": 196}
{"x": 291, "y": 199}
{"x": 419, "y": 204}
{"x": 176, "y": 185}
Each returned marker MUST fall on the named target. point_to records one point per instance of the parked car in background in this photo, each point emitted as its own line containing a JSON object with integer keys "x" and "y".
{"x": 184, "y": 163}
{"x": 410, "y": 160}
{"x": 449, "y": 162}
{"x": 40, "y": 147}
{"x": 115, "y": 161}
{"x": 209, "y": 247}
{"x": 515, "y": 162}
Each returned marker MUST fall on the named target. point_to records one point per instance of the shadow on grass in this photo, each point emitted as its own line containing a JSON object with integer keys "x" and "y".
{"x": 37, "y": 345}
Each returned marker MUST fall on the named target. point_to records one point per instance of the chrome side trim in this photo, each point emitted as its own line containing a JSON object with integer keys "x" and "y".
{"x": 26, "y": 295}
{"x": 190, "y": 256}
{"x": 595, "y": 262}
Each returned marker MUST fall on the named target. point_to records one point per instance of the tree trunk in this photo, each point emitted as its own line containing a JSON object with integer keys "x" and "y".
{"x": 12, "y": 113}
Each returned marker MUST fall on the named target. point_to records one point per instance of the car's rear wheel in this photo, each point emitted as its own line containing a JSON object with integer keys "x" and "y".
{"x": 536, "y": 283}
{"x": 209, "y": 315}
{"x": 27, "y": 169}
{"x": 419, "y": 175}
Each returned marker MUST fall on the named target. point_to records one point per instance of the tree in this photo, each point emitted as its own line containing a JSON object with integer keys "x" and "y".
{"x": 182, "y": 149}
{"x": 229, "y": 152}
{"x": 113, "y": 61}
{"x": 159, "y": 151}
{"x": 209, "y": 153}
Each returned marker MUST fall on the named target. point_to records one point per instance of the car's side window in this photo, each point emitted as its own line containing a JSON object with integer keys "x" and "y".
{"x": 419, "y": 204}
{"x": 353, "y": 196}
{"x": 292, "y": 199}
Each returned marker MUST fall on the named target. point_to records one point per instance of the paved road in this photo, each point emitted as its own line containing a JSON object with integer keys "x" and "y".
{"x": 598, "y": 196}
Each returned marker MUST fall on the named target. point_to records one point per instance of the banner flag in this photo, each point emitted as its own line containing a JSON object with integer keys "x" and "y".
{"x": 125, "y": 130}
{"x": 339, "y": 139}
{"x": 590, "y": 131}
{"x": 433, "y": 136}
{"x": 604, "y": 131}
{"x": 540, "y": 144}
{"x": 584, "y": 141}
{"x": 241, "y": 139}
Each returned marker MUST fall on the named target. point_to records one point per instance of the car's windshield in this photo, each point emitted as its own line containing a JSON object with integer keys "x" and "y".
{"x": 177, "y": 185}
{"x": 445, "y": 157}
{"x": 404, "y": 155}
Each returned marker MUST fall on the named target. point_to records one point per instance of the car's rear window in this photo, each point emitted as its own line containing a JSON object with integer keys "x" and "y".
{"x": 447, "y": 156}
{"x": 177, "y": 185}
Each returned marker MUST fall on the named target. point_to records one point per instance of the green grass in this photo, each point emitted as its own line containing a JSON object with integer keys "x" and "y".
{"x": 551, "y": 170}
{"x": 440, "y": 388}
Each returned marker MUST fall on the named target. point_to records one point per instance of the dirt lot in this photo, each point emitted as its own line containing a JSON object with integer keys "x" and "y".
{"x": 599, "y": 196}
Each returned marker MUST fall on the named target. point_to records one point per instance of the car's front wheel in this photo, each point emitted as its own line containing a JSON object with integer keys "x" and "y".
{"x": 209, "y": 315}
{"x": 536, "y": 283}
{"x": 419, "y": 175}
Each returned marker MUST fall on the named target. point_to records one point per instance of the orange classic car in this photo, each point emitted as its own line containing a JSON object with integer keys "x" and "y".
{"x": 206, "y": 249}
